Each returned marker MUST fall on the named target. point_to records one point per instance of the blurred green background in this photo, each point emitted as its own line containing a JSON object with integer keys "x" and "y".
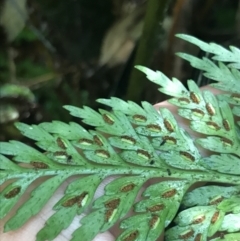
{"x": 72, "y": 52}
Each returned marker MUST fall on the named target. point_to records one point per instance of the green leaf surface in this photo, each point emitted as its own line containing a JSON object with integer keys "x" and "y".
{"x": 39, "y": 198}
{"x": 231, "y": 223}
{"x": 228, "y": 237}
{"x": 11, "y": 194}
{"x": 221, "y": 53}
{"x": 205, "y": 195}
{"x": 56, "y": 223}
{"x": 159, "y": 165}
{"x": 96, "y": 220}
{"x": 7, "y": 164}
{"x": 220, "y": 163}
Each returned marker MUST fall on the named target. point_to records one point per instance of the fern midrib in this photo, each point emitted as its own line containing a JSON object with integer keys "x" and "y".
{"x": 209, "y": 176}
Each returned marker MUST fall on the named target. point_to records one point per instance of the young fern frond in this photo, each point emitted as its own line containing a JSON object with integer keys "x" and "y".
{"x": 136, "y": 144}
{"x": 227, "y": 76}
{"x": 208, "y": 210}
{"x": 219, "y": 53}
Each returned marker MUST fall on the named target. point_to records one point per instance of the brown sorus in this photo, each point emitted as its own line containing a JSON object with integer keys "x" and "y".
{"x": 215, "y": 217}
{"x": 143, "y": 154}
{"x": 195, "y": 99}
{"x": 226, "y": 141}
{"x": 235, "y": 96}
{"x": 97, "y": 140}
{"x": 187, "y": 234}
{"x": 187, "y": 155}
{"x": 102, "y": 153}
{"x": 169, "y": 193}
{"x": 140, "y": 118}
{"x": 210, "y": 109}
{"x": 80, "y": 198}
{"x": 108, "y": 119}
{"x": 39, "y": 165}
{"x": 168, "y": 125}
{"x": 226, "y": 124}
{"x": 132, "y": 236}
{"x": 128, "y": 139}
{"x": 60, "y": 143}
{"x": 85, "y": 141}
{"x": 77, "y": 199}
{"x": 12, "y": 193}
{"x": 128, "y": 187}
{"x": 170, "y": 139}
{"x": 198, "y": 112}
{"x": 154, "y": 127}
{"x": 108, "y": 214}
{"x": 198, "y": 219}
{"x": 216, "y": 200}
{"x": 153, "y": 221}
{"x": 70, "y": 202}
{"x": 198, "y": 237}
{"x": 112, "y": 204}
{"x": 156, "y": 208}
{"x": 213, "y": 125}
{"x": 183, "y": 99}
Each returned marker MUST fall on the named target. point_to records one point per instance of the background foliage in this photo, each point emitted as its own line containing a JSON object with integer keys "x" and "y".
{"x": 73, "y": 52}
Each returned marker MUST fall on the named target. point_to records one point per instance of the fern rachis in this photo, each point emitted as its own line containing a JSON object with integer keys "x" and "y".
{"x": 135, "y": 144}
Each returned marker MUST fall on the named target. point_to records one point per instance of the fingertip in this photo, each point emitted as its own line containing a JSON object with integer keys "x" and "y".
{"x": 104, "y": 237}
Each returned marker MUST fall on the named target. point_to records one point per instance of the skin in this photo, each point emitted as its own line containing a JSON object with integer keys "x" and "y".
{"x": 30, "y": 229}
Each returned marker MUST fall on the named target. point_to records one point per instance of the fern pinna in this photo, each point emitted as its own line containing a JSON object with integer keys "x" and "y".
{"x": 135, "y": 144}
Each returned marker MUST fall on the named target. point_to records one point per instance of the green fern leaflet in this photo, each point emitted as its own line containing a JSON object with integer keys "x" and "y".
{"x": 135, "y": 144}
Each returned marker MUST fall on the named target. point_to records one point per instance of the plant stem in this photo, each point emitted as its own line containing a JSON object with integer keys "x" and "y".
{"x": 152, "y": 24}
{"x": 148, "y": 172}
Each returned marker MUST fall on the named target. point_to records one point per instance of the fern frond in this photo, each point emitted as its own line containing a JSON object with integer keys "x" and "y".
{"x": 206, "y": 113}
{"x": 227, "y": 75}
{"x": 220, "y": 53}
{"x": 229, "y": 78}
{"x": 211, "y": 209}
{"x": 134, "y": 144}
